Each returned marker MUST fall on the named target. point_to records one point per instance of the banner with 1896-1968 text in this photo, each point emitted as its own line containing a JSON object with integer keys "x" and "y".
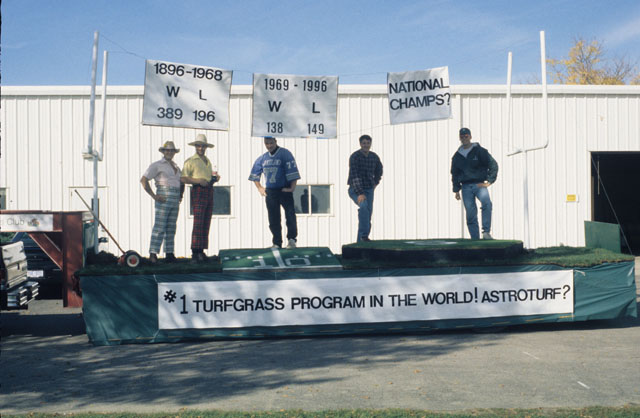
{"x": 185, "y": 95}
{"x": 295, "y": 106}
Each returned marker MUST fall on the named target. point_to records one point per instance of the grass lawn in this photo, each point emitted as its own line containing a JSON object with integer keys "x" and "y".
{"x": 593, "y": 412}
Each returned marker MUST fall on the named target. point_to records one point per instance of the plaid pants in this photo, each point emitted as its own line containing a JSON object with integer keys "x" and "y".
{"x": 164, "y": 225}
{"x": 202, "y": 204}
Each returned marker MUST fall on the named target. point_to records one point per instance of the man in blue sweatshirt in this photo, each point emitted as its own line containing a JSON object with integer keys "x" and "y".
{"x": 473, "y": 170}
{"x": 280, "y": 175}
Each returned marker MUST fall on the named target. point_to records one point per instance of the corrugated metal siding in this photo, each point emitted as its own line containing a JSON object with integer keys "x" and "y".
{"x": 44, "y": 131}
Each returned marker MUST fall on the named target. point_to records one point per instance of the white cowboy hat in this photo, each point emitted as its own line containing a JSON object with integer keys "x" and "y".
{"x": 201, "y": 139}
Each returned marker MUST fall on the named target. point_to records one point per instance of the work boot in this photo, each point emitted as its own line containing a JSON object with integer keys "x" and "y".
{"x": 199, "y": 257}
{"x": 170, "y": 258}
{"x": 153, "y": 258}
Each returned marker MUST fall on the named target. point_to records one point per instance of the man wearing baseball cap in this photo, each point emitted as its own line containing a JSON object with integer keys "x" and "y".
{"x": 473, "y": 170}
{"x": 168, "y": 195}
{"x": 281, "y": 176}
{"x": 198, "y": 171}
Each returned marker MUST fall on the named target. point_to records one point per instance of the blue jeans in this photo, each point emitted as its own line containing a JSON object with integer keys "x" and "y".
{"x": 275, "y": 199}
{"x": 365, "y": 210}
{"x": 469, "y": 194}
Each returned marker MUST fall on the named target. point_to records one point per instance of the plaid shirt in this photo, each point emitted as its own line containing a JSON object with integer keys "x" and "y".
{"x": 365, "y": 171}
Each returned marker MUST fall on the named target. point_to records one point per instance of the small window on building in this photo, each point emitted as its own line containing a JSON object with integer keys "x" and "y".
{"x": 312, "y": 199}
{"x": 221, "y": 201}
{"x": 3, "y": 198}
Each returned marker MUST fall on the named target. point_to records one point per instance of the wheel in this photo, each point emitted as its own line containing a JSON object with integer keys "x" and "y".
{"x": 130, "y": 258}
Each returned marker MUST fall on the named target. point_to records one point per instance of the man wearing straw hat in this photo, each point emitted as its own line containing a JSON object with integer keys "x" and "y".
{"x": 167, "y": 199}
{"x": 198, "y": 171}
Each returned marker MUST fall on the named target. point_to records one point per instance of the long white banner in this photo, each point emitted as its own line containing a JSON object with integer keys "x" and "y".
{"x": 416, "y": 96}
{"x": 295, "y": 106}
{"x": 233, "y": 304}
{"x": 185, "y": 95}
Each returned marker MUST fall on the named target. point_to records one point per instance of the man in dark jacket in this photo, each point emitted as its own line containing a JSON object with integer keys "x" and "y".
{"x": 473, "y": 170}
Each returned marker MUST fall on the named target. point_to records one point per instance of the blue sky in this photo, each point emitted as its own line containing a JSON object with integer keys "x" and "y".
{"x": 48, "y": 42}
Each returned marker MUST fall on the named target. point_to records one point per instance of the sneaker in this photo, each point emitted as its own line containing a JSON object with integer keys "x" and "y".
{"x": 292, "y": 244}
{"x": 153, "y": 258}
{"x": 170, "y": 258}
{"x": 486, "y": 235}
{"x": 274, "y": 247}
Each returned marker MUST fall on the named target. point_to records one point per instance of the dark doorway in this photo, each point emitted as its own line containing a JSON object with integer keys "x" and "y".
{"x": 615, "y": 182}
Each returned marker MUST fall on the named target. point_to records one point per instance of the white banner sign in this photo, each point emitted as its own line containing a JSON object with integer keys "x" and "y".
{"x": 232, "y": 304}
{"x": 26, "y": 222}
{"x": 187, "y": 96}
{"x": 419, "y": 95}
{"x": 294, "y": 106}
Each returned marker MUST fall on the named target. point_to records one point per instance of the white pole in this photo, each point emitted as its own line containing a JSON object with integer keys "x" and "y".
{"x": 95, "y": 201}
{"x": 509, "y": 122}
{"x": 545, "y": 133}
{"x": 525, "y": 192}
{"x": 92, "y": 101}
{"x": 105, "y": 60}
{"x": 95, "y": 204}
{"x": 543, "y": 72}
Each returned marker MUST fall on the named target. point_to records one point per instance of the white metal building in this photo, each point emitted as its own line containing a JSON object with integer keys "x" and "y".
{"x": 44, "y": 131}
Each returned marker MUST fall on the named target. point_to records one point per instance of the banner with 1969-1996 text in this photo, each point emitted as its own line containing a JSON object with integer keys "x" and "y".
{"x": 295, "y": 106}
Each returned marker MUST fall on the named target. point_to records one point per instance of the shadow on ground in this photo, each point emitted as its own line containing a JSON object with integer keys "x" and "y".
{"x": 47, "y": 360}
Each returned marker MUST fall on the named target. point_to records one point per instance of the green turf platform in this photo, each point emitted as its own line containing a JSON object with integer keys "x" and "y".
{"x": 307, "y": 258}
{"x": 158, "y": 308}
{"x": 432, "y": 250}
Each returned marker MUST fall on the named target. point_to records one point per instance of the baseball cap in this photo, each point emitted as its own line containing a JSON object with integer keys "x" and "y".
{"x": 465, "y": 131}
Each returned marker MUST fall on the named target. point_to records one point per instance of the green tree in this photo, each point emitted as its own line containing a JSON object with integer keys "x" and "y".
{"x": 587, "y": 64}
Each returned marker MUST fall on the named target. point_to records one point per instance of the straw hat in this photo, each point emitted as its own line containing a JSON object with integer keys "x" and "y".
{"x": 168, "y": 146}
{"x": 201, "y": 140}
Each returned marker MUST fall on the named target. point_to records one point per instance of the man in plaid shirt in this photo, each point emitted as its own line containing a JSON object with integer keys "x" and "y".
{"x": 167, "y": 199}
{"x": 365, "y": 172}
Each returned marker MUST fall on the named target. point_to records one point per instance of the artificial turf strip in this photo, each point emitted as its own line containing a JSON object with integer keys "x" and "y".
{"x": 560, "y": 256}
{"x": 439, "y": 251}
{"x": 106, "y": 264}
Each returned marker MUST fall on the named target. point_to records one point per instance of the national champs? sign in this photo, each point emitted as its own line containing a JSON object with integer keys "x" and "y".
{"x": 247, "y": 303}
{"x": 417, "y": 96}
{"x": 186, "y": 96}
{"x": 295, "y": 106}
